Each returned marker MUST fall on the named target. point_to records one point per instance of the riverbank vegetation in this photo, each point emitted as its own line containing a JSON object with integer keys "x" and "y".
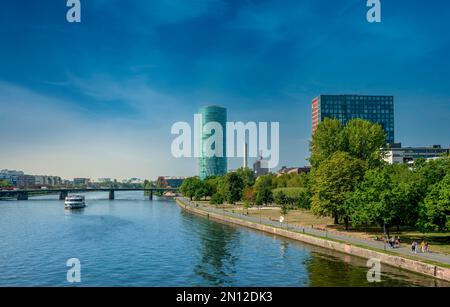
{"x": 5, "y": 184}
{"x": 349, "y": 184}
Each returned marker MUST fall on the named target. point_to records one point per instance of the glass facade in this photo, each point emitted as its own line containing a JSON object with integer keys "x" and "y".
{"x": 376, "y": 109}
{"x": 212, "y": 166}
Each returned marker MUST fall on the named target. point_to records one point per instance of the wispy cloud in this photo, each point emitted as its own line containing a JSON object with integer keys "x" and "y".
{"x": 117, "y": 82}
{"x": 46, "y": 135}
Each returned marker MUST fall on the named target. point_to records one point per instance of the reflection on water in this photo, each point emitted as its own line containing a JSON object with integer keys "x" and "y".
{"x": 132, "y": 241}
{"x": 217, "y": 261}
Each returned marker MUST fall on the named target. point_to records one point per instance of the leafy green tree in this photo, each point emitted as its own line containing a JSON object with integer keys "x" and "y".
{"x": 217, "y": 199}
{"x": 5, "y": 184}
{"x": 285, "y": 208}
{"x": 327, "y": 140}
{"x": 263, "y": 189}
{"x": 282, "y": 181}
{"x": 249, "y": 196}
{"x": 360, "y": 138}
{"x": 364, "y": 140}
{"x": 206, "y": 188}
{"x": 212, "y": 184}
{"x": 303, "y": 200}
{"x": 378, "y": 200}
{"x": 285, "y": 203}
{"x": 233, "y": 186}
{"x": 247, "y": 176}
{"x": 432, "y": 172}
{"x": 334, "y": 180}
{"x": 423, "y": 177}
{"x": 291, "y": 181}
{"x": 296, "y": 197}
{"x": 435, "y": 211}
{"x": 280, "y": 198}
{"x": 406, "y": 180}
{"x": 299, "y": 181}
{"x": 190, "y": 186}
{"x": 147, "y": 185}
{"x": 202, "y": 191}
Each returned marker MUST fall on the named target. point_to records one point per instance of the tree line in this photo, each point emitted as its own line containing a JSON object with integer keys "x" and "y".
{"x": 352, "y": 183}
{"x": 5, "y": 184}
{"x": 349, "y": 181}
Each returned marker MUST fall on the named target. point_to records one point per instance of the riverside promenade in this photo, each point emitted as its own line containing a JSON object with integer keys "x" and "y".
{"x": 430, "y": 264}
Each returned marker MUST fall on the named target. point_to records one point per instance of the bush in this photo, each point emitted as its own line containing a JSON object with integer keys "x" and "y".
{"x": 298, "y": 197}
{"x": 217, "y": 199}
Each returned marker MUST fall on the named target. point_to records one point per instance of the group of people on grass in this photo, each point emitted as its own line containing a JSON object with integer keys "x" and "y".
{"x": 423, "y": 247}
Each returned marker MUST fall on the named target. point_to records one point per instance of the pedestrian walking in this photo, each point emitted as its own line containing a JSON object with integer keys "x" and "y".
{"x": 422, "y": 246}
{"x": 414, "y": 247}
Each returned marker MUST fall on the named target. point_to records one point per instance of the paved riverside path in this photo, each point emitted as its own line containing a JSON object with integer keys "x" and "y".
{"x": 405, "y": 250}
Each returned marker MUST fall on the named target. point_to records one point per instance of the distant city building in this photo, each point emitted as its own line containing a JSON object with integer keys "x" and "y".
{"x": 40, "y": 181}
{"x": 81, "y": 181}
{"x": 26, "y": 181}
{"x": 104, "y": 180}
{"x": 66, "y": 182}
{"x": 133, "y": 181}
{"x": 399, "y": 155}
{"x": 11, "y": 172}
{"x": 12, "y": 176}
{"x": 376, "y": 109}
{"x": 169, "y": 182}
{"x": 294, "y": 170}
{"x": 22, "y": 180}
{"x": 261, "y": 167}
{"x": 212, "y": 166}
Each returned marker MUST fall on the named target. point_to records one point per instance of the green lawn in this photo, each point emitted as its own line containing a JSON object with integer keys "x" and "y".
{"x": 439, "y": 242}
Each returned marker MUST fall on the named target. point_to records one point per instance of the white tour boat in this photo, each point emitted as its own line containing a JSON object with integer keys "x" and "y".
{"x": 74, "y": 202}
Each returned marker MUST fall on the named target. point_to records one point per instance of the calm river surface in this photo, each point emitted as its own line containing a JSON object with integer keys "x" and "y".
{"x": 132, "y": 241}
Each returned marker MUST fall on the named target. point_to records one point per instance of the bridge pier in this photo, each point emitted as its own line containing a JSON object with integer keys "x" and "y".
{"x": 63, "y": 195}
{"x": 111, "y": 195}
{"x": 22, "y": 196}
{"x": 150, "y": 197}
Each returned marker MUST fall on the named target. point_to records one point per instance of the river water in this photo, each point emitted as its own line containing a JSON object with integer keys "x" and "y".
{"x": 132, "y": 241}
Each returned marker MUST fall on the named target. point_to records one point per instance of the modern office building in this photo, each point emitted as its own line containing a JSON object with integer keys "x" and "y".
{"x": 22, "y": 180}
{"x": 40, "y": 181}
{"x": 81, "y": 181}
{"x": 212, "y": 165}
{"x": 376, "y": 109}
{"x": 399, "y": 155}
{"x": 26, "y": 181}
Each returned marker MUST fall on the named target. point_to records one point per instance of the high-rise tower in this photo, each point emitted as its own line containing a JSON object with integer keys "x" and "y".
{"x": 216, "y": 165}
{"x": 376, "y": 109}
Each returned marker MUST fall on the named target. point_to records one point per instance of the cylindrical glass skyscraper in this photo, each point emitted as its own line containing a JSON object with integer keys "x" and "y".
{"x": 212, "y": 165}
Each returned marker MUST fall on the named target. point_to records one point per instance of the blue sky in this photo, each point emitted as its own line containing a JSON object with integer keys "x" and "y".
{"x": 98, "y": 98}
